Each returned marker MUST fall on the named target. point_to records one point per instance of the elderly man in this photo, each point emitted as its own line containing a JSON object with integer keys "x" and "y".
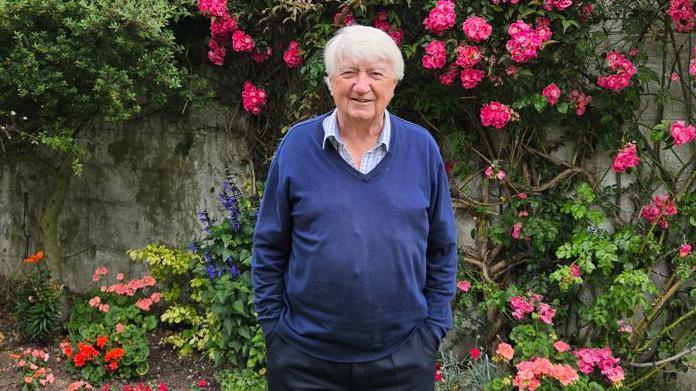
{"x": 355, "y": 246}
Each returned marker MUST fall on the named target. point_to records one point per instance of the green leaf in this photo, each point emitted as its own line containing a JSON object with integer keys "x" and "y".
{"x": 238, "y": 307}
{"x": 562, "y": 107}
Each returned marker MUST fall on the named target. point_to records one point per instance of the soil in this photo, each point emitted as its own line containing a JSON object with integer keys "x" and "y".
{"x": 165, "y": 365}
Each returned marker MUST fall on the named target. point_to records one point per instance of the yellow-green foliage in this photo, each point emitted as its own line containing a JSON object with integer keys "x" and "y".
{"x": 178, "y": 313}
{"x": 167, "y": 265}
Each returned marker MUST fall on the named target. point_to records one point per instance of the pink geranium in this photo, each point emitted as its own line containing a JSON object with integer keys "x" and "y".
{"x": 552, "y": 93}
{"x": 505, "y": 351}
{"x": 441, "y": 18}
{"x": 626, "y": 158}
{"x": 530, "y": 373}
{"x": 682, "y": 133}
{"x": 588, "y": 358}
{"x": 521, "y": 307}
{"x": 293, "y": 55}
{"x": 95, "y": 301}
{"x": 575, "y": 270}
{"x": 253, "y": 98}
{"x": 561, "y": 346}
{"x": 471, "y": 77}
{"x": 684, "y": 250}
{"x": 516, "y": 230}
{"x": 546, "y": 313}
{"x": 435, "y": 55}
{"x": 476, "y": 28}
{"x": 144, "y": 304}
{"x": 242, "y": 42}
{"x": 495, "y": 114}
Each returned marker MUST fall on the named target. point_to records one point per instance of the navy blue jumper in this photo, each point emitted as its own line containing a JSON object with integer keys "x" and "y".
{"x": 347, "y": 265}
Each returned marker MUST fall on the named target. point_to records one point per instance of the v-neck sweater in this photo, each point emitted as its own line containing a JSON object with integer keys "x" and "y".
{"x": 347, "y": 265}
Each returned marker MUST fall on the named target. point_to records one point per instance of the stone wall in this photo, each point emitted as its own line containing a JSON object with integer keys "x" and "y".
{"x": 142, "y": 183}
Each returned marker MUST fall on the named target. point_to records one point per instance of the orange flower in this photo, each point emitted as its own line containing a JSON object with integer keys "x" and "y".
{"x": 35, "y": 258}
{"x": 101, "y": 341}
{"x": 114, "y": 354}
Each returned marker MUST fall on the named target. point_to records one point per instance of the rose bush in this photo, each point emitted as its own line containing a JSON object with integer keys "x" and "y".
{"x": 577, "y": 195}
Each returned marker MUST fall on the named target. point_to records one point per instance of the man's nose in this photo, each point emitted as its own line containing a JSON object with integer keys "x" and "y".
{"x": 362, "y": 84}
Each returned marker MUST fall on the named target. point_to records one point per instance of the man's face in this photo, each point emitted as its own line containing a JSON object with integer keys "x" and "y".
{"x": 362, "y": 91}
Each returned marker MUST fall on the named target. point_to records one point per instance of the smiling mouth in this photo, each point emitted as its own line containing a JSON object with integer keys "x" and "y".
{"x": 361, "y": 100}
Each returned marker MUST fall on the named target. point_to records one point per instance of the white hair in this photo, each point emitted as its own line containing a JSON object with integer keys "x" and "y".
{"x": 364, "y": 44}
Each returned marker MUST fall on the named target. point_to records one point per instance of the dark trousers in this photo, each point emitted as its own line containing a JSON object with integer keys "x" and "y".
{"x": 411, "y": 368}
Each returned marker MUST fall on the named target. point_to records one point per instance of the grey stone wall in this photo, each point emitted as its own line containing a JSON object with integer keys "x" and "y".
{"x": 142, "y": 183}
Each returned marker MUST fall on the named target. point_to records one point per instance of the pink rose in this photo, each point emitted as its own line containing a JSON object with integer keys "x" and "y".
{"x": 293, "y": 55}
{"x": 476, "y": 28}
{"x": 552, "y": 93}
{"x": 495, "y": 114}
{"x": 447, "y": 78}
{"x": 441, "y": 18}
{"x": 626, "y": 158}
{"x": 464, "y": 285}
{"x": 471, "y": 77}
{"x": 546, "y": 313}
{"x": 242, "y": 42}
{"x": 253, "y": 98}
{"x": 681, "y": 133}
{"x": 216, "y": 54}
{"x": 436, "y": 55}
{"x": 468, "y": 56}
{"x": 259, "y": 55}
{"x": 516, "y": 230}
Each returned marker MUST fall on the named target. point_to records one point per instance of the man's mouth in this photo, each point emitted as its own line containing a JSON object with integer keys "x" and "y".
{"x": 361, "y": 100}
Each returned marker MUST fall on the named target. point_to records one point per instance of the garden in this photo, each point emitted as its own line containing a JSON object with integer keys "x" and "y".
{"x": 568, "y": 133}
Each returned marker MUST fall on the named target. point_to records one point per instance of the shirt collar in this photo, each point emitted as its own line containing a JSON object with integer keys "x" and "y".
{"x": 330, "y": 125}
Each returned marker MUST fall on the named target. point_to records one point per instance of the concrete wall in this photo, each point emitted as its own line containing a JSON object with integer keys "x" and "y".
{"x": 142, "y": 183}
